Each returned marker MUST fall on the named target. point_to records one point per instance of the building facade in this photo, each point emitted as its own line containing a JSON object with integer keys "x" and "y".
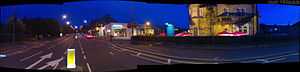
{"x": 127, "y": 30}
{"x": 210, "y": 20}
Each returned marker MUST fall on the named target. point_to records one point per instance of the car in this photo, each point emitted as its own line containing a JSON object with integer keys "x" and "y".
{"x": 76, "y": 36}
{"x": 3, "y": 56}
{"x": 88, "y": 36}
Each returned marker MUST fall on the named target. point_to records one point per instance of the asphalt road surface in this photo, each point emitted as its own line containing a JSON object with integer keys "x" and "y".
{"x": 99, "y": 55}
{"x": 91, "y": 55}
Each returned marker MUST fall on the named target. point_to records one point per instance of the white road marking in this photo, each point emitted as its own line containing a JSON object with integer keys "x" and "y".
{"x": 138, "y": 54}
{"x": 15, "y": 53}
{"x": 84, "y": 56}
{"x": 169, "y": 61}
{"x": 65, "y": 52}
{"x": 82, "y": 51}
{"x": 277, "y": 59}
{"x": 149, "y": 59}
{"x": 26, "y": 58}
{"x": 116, "y": 49}
{"x": 88, "y": 66}
{"x": 56, "y": 65}
{"x": 37, "y": 62}
{"x": 111, "y": 53}
{"x": 53, "y": 63}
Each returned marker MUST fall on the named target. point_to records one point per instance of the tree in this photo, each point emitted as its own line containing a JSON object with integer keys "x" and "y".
{"x": 43, "y": 27}
{"x": 1, "y": 27}
{"x": 66, "y": 29}
{"x": 106, "y": 19}
{"x": 16, "y": 28}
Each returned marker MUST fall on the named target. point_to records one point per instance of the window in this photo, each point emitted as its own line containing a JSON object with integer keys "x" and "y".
{"x": 226, "y": 11}
{"x": 238, "y": 10}
{"x": 201, "y": 12}
{"x": 245, "y": 29}
{"x": 194, "y": 12}
{"x": 243, "y": 11}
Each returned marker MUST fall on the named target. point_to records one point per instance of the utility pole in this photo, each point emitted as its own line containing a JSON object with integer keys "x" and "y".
{"x": 14, "y": 25}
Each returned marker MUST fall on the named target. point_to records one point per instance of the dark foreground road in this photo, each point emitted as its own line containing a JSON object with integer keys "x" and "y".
{"x": 99, "y": 55}
{"x": 91, "y": 56}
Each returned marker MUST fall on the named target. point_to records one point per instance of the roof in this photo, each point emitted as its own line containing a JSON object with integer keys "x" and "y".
{"x": 235, "y": 14}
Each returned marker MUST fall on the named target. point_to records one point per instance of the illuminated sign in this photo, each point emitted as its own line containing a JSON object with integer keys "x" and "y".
{"x": 116, "y": 26}
{"x": 170, "y": 29}
{"x": 71, "y": 58}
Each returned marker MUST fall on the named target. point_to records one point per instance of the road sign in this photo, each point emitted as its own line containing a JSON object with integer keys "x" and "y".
{"x": 71, "y": 58}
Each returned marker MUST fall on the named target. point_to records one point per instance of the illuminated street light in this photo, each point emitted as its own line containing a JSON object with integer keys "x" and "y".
{"x": 60, "y": 34}
{"x": 97, "y": 28}
{"x": 68, "y": 22}
{"x": 108, "y": 30}
{"x": 84, "y": 21}
{"x": 76, "y": 27}
{"x": 64, "y": 16}
{"x": 148, "y": 23}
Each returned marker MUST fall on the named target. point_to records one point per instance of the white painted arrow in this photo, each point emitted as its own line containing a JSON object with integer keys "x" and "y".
{"x": 42, "y": 58}
{"x": 53, "y": 63}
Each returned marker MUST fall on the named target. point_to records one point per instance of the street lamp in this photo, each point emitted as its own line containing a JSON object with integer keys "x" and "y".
{"x": 76, "y": 27}
{"x": 68, "y": 22}
{"x": 84, "y": 21}
{"x": 97, "y": 28}
{"x": 147, "y": 23}
{"x": 64, "y": 16}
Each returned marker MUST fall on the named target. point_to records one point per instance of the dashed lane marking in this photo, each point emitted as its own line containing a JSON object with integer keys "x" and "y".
{"x": 111, "y": 53}
{"x": 84, "y": 56}
{"x": 88, "y": 66}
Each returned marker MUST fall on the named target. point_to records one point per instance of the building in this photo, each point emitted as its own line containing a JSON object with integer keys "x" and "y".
{"x": 148, "y": 29}
{"x": 124, "y": 30}
{"x": 210, "y": 20}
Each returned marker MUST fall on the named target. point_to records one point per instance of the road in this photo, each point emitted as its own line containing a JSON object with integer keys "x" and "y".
{"x": 100, "y": 55}
{"x": 91, "y": 55}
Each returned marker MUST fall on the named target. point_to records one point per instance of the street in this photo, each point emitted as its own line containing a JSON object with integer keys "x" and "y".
{"x": 91, "y": 56}
{"x": 100, "y": 55}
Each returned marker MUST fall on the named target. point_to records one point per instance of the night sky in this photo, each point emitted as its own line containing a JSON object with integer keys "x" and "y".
{"x": 124, "y": 11}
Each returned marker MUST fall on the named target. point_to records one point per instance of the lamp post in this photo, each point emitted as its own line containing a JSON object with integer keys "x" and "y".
{"x": 148, "y": 23}
{"x": 68, "y": 22}
{"x": 64, "y": 16}
{"x": 85, "y": 21}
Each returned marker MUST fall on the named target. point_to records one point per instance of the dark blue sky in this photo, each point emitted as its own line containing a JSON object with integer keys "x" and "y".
{"x": 124, "y": 11}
